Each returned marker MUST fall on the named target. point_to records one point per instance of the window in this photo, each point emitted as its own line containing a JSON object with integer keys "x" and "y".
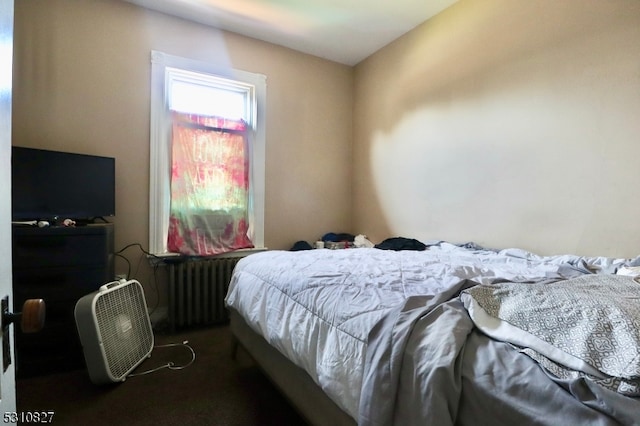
{"x": 189, "y": 94}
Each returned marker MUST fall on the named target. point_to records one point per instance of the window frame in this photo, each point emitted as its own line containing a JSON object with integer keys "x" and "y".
{"x": 163, "y": 69}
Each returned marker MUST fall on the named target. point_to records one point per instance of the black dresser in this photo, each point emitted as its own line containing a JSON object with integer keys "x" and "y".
{"x": 59, "y": 265}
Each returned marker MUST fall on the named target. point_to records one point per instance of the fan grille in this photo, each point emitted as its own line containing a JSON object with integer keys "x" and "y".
{"x": 124, "y": 328}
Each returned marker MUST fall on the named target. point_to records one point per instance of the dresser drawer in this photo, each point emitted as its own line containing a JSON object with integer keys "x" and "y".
{"x": 58, "y": 284}
{"x": 30, "y": 251}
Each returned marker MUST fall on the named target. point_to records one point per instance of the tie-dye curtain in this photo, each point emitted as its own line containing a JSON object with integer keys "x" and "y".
{"x": 209, "y": 186}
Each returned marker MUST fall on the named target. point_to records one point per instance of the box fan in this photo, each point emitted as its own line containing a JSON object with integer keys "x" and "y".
{"x": 115, "y": 330}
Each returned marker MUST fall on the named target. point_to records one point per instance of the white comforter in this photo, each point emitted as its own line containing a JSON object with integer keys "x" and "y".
{"x": 318, "y": 307}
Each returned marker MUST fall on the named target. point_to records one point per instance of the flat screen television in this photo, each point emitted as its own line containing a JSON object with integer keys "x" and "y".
{"x": 54, "y": 185}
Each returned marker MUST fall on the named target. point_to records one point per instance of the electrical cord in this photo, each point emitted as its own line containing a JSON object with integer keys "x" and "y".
{"x": 170, "y": 365}
{"x": 120, "y": 254}
{"x": 141, "y": 249}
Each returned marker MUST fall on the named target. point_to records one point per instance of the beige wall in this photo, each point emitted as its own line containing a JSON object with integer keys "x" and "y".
{"x": 507, "y": 123}
{"x": 504, "y": 122}
{"x": 81, "y": 84}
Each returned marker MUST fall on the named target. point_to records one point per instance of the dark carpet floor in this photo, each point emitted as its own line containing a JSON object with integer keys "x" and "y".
{"x": 214, "y": 390}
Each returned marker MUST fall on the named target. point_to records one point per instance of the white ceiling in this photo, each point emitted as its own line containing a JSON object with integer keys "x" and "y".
{"x": 345, "y": 31}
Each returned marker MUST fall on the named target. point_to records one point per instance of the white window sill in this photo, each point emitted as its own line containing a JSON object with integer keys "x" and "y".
{"x": 166, "y": 257}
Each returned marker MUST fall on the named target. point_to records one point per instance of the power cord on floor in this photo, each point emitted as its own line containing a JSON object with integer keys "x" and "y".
{"x": 170, "y": 365}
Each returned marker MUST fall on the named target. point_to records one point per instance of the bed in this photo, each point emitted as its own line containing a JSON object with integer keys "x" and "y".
{"x": 454, "y": 334}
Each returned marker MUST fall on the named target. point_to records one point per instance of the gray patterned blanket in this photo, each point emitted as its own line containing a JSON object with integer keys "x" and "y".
{"x": 587, "y": 326}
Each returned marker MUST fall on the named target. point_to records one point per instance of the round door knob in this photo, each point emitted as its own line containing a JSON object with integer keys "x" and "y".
{"x": 33, "y": 315}
{"x": 31, "y": 318}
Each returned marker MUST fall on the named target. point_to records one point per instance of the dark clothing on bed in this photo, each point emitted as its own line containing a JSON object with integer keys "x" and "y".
{"x": 401, "y": 243}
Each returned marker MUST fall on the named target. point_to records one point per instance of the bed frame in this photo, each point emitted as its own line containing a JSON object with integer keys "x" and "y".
{"x": 292, "y": 381}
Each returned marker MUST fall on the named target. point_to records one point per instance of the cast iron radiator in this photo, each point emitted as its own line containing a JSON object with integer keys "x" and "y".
{"x": 197, "y": 289}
